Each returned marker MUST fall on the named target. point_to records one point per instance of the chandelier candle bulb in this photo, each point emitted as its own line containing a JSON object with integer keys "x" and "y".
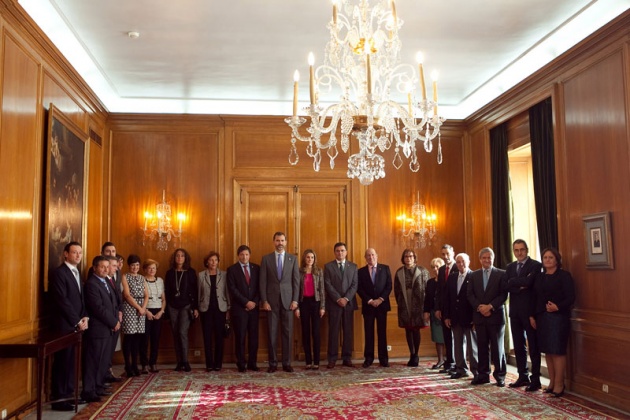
{"x": 147, "y": 216}
{"x": 420, "y": 59}
{"x": 296, "y": 79}
{"x": 334, "y": 3}
{"x": 410, "y": 104}
{"x": 434, "y": 76}
{"x": 369, "y": 74}
{"x": 393, "y": 4}
{"x": 311, "y": 62}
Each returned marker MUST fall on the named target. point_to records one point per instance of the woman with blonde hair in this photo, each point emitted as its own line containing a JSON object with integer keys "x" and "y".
{"x": 155, "y": 312}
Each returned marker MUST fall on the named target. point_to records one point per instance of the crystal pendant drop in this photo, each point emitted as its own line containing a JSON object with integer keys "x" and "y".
{"x": 397, "y": 160}
{"x": 439, "y": 153}
{"x": 428, "y": 146}
{"x": 294, "y": 158}
{"x": 414, "y": 165}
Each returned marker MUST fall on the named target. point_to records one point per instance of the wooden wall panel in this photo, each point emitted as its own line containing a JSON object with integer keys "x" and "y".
{"x": 94, "y": 220}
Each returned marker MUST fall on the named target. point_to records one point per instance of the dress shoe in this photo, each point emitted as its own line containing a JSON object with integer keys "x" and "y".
{"x": 500, "y": 383}
{"x": 458, "y": 375}
{"x": 367, "y": 364}
{"x": 309, "y": 367}
{"x": 438, "y": 365}
{"x": 144, "y": 370}
{"x": 548, "y": 390}
{"x": 287, "y": 369}
{"x": 444, "y": 370}
{"x": 218, "y": 369}
{"x": 241, "y": 369}
{"x": 103, "y": 393}
{"x": 533, "y": 387}
{"x": 480, "y": 381}
{"x": 347, "y": 363}
{"x": 91, "y": 398}
{"x": 521, "y": 381}
{"x": 179, "y": 367}
{"x": 136, "y": 372}
{"x": 81, "y": 401}
{"x": 384, "y": 364}
{"x": 271, "y": 369}
{"x": 111, "y": 378}
{"x": 63, "y": 406}
{"x": 187, "y": 367}
{"x": 208, "y": 369}
{"x": 331, "y": 365}
{"x": 315, "y": 367}
{"x": 253, "y": 368}
{"x": 558, "y": 394}
{"x": 153, "y": 369}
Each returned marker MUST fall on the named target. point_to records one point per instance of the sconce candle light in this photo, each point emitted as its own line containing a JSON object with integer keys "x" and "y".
{"x": 420, "y": 227}
{"x": 157, "y": 227}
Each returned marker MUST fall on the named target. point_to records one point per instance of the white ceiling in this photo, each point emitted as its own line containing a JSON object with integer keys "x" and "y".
{"x": 238, "y": 56}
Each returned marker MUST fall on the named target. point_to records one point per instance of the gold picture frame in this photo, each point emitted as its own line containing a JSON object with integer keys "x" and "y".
{"x": 65, "y": 198}
{"x": 598, "y": 241}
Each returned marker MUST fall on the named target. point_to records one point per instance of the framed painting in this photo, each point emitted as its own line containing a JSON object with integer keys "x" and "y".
{"x": 598, "y": 241}
{"x": 65, "y": 199}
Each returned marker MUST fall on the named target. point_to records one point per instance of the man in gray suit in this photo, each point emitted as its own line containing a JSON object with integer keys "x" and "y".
{"x": 341, "y": 281}
{"x": 487, "y": 294}
{"x": 279, "y": 293}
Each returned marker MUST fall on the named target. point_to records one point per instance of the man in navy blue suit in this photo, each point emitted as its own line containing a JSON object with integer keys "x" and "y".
{"x": 69, "y": 315}
{"x": 243, "y": 281}
{"x": 520, "y": 276}
{"x": 375, "y": 286}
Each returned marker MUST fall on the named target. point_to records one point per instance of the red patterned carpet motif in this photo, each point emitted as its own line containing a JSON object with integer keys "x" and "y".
{"x": 398, "y": 392}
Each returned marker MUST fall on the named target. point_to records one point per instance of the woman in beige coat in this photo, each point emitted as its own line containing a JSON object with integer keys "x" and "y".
{"x": 214, "y": 303}
{"x": 409, "y": 289}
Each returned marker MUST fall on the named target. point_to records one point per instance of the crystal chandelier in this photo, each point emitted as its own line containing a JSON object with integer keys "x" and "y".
{"x": 362, "y": 61}
{"x": 420, "y": 227}
{"x": 158, "y": 227}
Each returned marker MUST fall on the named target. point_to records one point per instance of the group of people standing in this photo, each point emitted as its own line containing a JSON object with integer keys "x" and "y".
{"x": 469, "y": 306}
{"x": 464, "y": 308}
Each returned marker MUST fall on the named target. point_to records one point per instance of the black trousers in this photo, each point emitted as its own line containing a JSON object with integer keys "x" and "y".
{"x": 212, "y": 324}
{"x": 524, "y": 336}
{"x": 449, "y": 363}
{"x": 62, "y": 381}
{"x": 151, "y": 339}
{"x": 245, "y": 325}
{"x": 490, "y": 344}
{"x": 370, "y": 316}
{"x": 311, "y": 326}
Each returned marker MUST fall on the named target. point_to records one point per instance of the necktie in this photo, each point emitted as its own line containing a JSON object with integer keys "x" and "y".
{"x": 446, "y": 272}
{"x": 519, "y": 266}
{"x": 373, "y": 269}
{"x": 105, "y": 284}
{"x": 280, "y": 266}
{"x": 341, "y": 268}
{"x": 460, "y": 281}
{"x": 76, "y": 278}
{"x": 485, "y": 279}
{"x": 246, "y": 271}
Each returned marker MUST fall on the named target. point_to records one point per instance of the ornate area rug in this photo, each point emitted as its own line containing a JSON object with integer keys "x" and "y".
{"x": 397, "y": 392}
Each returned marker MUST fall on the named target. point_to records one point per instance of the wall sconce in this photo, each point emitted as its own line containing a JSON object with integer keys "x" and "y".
{"x": 158, "y": 227}
{"x": 420, "y": 226}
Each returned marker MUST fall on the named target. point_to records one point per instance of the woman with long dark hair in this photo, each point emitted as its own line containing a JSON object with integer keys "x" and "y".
{"x": 311, "y": 309}
{"x": 181, "y": 298}
{"x": 437, "y": 335}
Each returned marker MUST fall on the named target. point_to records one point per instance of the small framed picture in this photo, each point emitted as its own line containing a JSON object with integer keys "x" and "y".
{"x": 598, "y": 241}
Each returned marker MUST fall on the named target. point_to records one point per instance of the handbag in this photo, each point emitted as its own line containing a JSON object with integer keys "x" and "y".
{"x": 227, "y": 328}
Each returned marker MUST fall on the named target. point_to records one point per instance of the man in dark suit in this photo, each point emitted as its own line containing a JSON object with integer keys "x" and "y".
{"x": 487, "y": 294}
{"x": 447, "y": 270}
{"x": 69, "y": 315}
{"x": 341, "y": 282}
{"x": 243, "y": 284}
{"x": 374, "y": 287}
{"x": 279, "y": 293}
{"x": 520, "y": 276}
{"x": 104, "y": 322}
{"x": 458, "y": 315}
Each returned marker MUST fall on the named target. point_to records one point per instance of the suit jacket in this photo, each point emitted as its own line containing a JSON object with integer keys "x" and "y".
{"x": 495, "y": 295}
{"x": 340, "y": 285}
{"x": 101, "y": 307}
{"x": 381, "y": 288}
{"x": 521, "y": 286}
{"x": 320, "y": 290}
{"x": 117, "y": 286}
{"x": 458, "y": 308}
{"x": 413, "y": 317}
{"x": 279, "y": 291}
{"x": 67, "y": 298}
{"x": 440, "y": 290}
{"x": 240, "y": 291}
{"x": 204, "y": 291}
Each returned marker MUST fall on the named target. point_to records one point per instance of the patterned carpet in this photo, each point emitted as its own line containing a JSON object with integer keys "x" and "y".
{"x": 398, "y": 392}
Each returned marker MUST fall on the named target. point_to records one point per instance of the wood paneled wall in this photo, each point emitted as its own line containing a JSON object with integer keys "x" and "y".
{"x": 590, "y": 90}
{"x": 32, "y": 75}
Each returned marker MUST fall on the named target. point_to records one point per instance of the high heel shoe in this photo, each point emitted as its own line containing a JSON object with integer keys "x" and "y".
{"x": 558, "y": 394}
{"x": 548, "y": 390}
{"x": 438, "y": 365}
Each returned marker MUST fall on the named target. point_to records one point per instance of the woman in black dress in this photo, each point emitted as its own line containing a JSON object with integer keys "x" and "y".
{"x": 437, "y": 335}
{"x": 181, "y": 303}
{"x": 554, "y": 295}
